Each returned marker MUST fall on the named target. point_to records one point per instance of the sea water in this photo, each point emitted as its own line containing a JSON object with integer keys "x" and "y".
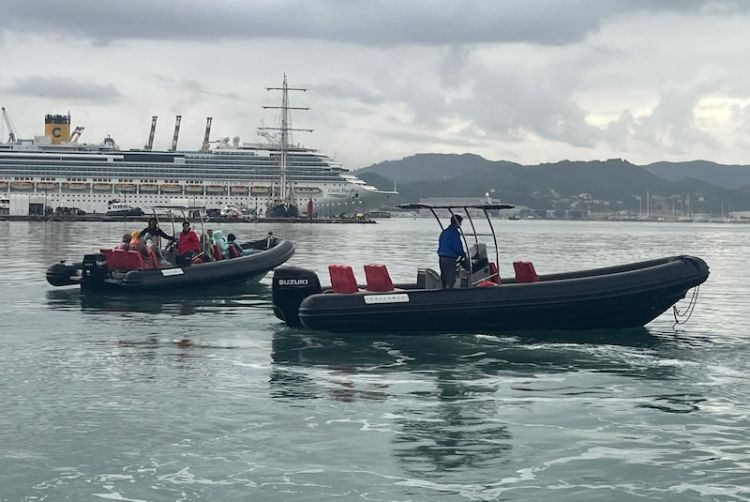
{"x": 205, "y": 395}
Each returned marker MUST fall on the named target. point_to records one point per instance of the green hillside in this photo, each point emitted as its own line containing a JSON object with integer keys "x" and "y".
{"x": 604, "y": 185}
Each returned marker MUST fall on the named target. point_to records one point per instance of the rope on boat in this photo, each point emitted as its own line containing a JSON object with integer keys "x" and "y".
{"x": 682, "y": 317}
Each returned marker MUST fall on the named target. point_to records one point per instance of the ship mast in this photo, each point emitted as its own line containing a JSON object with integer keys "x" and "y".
{"x": 286, "y": 195}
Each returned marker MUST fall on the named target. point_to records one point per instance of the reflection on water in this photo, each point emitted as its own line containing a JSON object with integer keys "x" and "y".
{"x": 447, "y": 392}
{"x": 454, "y": 435}
{"x": 479, "y": 354}
{"x": 183, "y": 302}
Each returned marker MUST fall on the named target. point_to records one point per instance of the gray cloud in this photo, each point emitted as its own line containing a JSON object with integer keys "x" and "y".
{"x": 192, "y": 89}
{"x": 671, "y": 125}
{"x": 346, "y": 89}
{"x": 454, "y": 65}
{"x": 62, "y": 88}
{"x": 378, "y": 22}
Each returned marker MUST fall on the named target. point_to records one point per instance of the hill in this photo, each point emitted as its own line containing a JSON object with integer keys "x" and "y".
{"x": 598, "y": 185}
{"x": 733, "y": 177}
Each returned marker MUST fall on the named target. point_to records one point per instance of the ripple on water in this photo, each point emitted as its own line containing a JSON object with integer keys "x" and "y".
{"x": 203, "y": 395}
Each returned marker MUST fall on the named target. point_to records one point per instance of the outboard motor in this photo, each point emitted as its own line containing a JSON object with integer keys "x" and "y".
{"x": 291, "y": 285}
{"x": 94, "y": 271}
{"x": 61, "y": 274}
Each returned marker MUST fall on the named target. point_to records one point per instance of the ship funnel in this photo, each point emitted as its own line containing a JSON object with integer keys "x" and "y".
{"x": 204, "y": 147}
{"x": 178, "y": 119}
{"x": 152, "y": 133}
{"x": 57, "y": 128}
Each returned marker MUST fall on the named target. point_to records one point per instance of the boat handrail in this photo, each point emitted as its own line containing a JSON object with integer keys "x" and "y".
{"x": 488, "y": 207}
{"x": 485, "y": 208}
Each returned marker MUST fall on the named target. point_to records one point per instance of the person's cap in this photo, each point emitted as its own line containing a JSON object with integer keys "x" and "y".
{"x": 457, "y": 219}
{"x": 231, "y": 237}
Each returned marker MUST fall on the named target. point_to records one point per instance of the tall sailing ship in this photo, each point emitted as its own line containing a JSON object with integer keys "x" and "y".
{"x": 261, "y": 176}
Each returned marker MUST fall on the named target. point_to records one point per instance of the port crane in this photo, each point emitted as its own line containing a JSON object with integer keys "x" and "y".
{"x": 76, "y": 134}
{"x": 12, "y": 131}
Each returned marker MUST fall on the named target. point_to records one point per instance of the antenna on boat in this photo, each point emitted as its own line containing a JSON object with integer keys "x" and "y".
{"x": 286, "y": 195}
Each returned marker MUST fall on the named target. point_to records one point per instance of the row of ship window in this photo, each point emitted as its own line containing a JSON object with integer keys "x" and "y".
{"x": 219, "y": 176}
{"x": 109, "y": 180}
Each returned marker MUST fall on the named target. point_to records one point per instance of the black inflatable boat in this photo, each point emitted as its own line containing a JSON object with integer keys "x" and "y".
{"x": 622, "y": 296}
{"x": 128, "y": 271}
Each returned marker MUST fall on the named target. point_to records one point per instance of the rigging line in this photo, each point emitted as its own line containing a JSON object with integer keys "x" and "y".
{"x": 684, "y": 316}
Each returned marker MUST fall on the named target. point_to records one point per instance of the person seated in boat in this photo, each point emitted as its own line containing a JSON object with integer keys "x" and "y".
{"x": 207, "y": 246}
{"x": 138, "y": 244}
{"x": 232, "y": 242}
{"x": 154, "y": 230}
{"x": 188, "y": 245}
{"x": 219, "y": 240}
{"x": 450, "y": 250}
{"x": 124, "y": 244}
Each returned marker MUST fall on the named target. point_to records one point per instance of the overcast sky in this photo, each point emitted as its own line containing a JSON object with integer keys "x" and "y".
{"x": 522, "y": 80}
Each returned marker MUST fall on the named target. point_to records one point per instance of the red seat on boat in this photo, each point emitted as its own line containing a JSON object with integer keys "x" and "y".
{"x": 525, "y": 271}
{"x": 378, "y": 278}
{"x": 109, "y": 256}
{"x": 126, "y": 260}
{"x": 233, "y": 253}
{"x": 217, "y": 253}
{"x": 495, "y": 274}
{"x": 134, "y": 261}
{"x": 342, "y": 279}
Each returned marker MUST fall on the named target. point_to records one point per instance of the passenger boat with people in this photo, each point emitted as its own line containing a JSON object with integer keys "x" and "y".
{"x": 622, "y": 296}
{"x": 129, "y": 270}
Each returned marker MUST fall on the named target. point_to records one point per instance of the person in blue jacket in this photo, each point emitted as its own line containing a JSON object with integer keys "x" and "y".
{"x": 450, "y": 250}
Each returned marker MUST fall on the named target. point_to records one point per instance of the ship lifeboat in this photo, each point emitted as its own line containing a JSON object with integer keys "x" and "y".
{"x": 238, "y": 190}
{"x": 148, "y": 187}
{"x": 47, "y": 185}
{"x": 102, "y": 187}
{"x": 76, "y": 186}
{"x": 171, "y": 188}
{"x": 308, "y": 190}
{"x": 216, "y": 189}
{"x": 260, "y": 190}
{"x": 21, "y": 185}
{"x": 125, "y": 187}
{"x": 197, "y": 189}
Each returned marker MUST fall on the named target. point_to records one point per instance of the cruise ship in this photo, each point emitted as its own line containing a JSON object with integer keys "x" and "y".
{"x": 256, "y": 176}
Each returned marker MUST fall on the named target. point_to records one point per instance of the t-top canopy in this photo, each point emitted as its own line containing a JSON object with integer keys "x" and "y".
{"x": 456, "y": 206}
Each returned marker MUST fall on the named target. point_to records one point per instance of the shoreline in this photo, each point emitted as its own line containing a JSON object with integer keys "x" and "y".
{"x": 145, "y": 218}
{"x": 329, "y": 221}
